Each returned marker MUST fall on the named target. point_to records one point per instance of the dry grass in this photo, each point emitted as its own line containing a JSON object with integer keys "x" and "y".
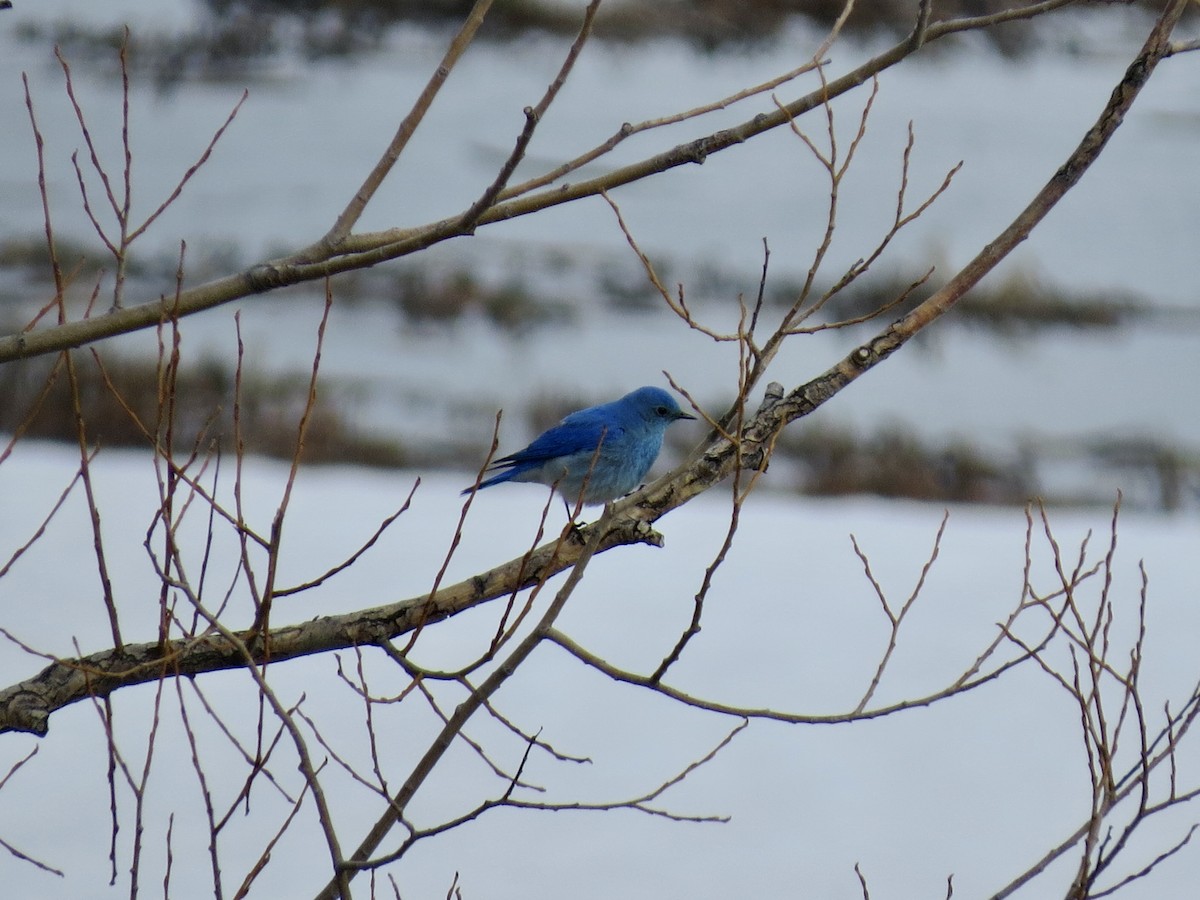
{"x": 119, "y": 400}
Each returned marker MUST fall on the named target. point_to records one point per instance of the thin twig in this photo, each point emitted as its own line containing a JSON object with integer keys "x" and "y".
{"x": 354, "y": 209}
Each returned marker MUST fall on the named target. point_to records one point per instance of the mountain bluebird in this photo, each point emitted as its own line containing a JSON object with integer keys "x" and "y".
{"x": 629, "y": 433}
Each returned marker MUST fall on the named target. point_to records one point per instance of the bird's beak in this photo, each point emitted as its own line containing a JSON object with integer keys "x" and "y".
{"x": 682, "y": 415}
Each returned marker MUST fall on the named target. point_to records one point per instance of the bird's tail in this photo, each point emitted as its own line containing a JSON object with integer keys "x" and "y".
{"x": 506, "y": 475}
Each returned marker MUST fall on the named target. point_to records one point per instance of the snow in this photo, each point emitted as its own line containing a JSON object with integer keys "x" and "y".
{"x": 977, "y": 786}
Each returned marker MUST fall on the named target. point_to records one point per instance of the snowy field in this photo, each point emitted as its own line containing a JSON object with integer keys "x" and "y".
{"x": 978, "y": 786}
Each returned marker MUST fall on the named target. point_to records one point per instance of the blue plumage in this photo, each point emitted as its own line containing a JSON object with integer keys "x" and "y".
{"x": 629, "y": 433}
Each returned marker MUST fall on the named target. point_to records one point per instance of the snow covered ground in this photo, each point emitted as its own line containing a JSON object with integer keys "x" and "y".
{"x": 978, "y": 786}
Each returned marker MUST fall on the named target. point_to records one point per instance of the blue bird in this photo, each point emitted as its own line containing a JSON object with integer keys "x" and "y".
{"x": 629, "y": 433}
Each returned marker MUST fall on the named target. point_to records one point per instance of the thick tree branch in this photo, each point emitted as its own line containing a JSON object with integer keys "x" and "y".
{"x": 27, "y": 706}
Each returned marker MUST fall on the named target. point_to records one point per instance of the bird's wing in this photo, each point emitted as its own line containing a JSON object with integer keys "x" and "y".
{"x": 576, "y": 433}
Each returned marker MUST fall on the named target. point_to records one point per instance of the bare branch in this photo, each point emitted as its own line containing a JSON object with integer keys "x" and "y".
{"x": 191, "y": 170}
{"x": 533, "y": 115}
{"x": 393, "y": 813}
{"x": 895, "y": 619}
{"x": 350, "y": 215}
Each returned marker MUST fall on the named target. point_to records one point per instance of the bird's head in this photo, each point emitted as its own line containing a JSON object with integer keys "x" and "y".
{"x": 656, "y": 405}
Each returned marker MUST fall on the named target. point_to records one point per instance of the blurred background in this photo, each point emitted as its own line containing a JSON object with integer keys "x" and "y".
{"x": 1069, "y": 373}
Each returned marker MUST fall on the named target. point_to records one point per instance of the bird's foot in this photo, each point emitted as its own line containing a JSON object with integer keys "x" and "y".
{"x": 574, "y": 532}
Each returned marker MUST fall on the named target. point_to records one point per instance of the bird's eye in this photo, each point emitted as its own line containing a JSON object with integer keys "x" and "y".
{"x": 662, "y": 411}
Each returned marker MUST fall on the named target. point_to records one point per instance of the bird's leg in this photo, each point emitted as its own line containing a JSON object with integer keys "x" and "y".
{"x": 575, "y": 530}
